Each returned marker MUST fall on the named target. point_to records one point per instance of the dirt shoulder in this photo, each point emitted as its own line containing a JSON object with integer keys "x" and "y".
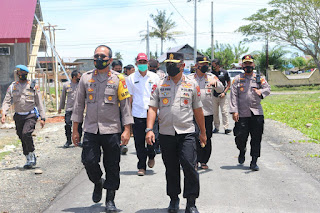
{"x": 294, "y": 145}
{"x": 24, "y": 191}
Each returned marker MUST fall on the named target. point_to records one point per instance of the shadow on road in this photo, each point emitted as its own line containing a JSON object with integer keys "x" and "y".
{"x": 235, "y": 167}
{"x": 156, "y": 210}
{"x": 90, "y": 209}
{"x": 148, "y": 172}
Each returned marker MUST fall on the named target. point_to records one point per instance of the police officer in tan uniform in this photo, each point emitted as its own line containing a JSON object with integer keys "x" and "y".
{"x": 247, "y": 91}
{"x": 69, "y": 91}
{"x": 178, "y": 99}
{"x": 101, "y": 90}
{"x": 26, "y": 98}
{"x": 208, "y": 83}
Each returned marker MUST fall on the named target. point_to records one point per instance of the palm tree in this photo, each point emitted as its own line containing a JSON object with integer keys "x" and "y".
{"x": 163, "y": 28}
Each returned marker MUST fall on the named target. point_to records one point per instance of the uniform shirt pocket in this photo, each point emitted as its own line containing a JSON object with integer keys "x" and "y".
{"x": 186, "y": 99}
{"x": 165, "y": 98}
{"x": 29, "y": 96}
{"x": 109, "y": 96}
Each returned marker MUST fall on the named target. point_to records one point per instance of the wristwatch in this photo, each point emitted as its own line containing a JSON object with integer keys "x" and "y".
{"x": 148, "y": 130}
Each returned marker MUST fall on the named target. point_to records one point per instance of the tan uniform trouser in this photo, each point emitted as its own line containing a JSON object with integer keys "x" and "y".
{"x": 223, "y": 104}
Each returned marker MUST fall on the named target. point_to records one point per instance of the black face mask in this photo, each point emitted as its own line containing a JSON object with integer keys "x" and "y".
{"x": 204, "y": 68}
{"x": 101, "y": 64}
{"x": 153, "y": 70}
{"x": 23, "y": 77}
{"x": 248, "y": 69}
{"x": 172, "y": 69}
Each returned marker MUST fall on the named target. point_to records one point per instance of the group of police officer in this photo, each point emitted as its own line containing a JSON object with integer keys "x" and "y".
{"x": 182, "y": 103}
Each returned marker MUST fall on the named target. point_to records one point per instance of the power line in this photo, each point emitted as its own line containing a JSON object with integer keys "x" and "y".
{"x": 180, "y": 14}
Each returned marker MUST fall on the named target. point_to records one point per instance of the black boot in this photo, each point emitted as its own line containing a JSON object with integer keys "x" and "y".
{"x": 67, "y": 144}
{"x": 241, "y": 157}
{"x": 174, "y": 205}
{"x": 110, "y": 205}
{"x": 97, "y": 192}
{"x": 191, "y": 206}
{"x": 253, "y": 164}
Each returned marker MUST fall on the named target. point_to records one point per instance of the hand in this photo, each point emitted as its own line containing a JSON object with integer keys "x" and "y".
{"x": 257, "y": 91}
{"x": 76, "y": 138}
{"x": 213, "y": 83}
{"x": 59, "y": 111}
{"x": 222, "y": 95}
{"x": 42, "y": 123}
{"x": 203, "y": 139}
{"x": 235, "y": 116}
{"x": 3, "y": 119}
{"x": 125, "y": 137}
{"x": 150, "y": 138}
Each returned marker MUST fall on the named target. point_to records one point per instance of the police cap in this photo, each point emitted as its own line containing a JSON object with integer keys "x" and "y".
{"x": 202, "y": 59}
{"x": 22, "y": 68}
{"x": 247, "y": 58}
{"x": 174, "y": 57}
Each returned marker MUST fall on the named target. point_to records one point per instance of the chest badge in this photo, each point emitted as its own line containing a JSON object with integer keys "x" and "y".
{"x": 90, "y": 97}
{"x": 185, "y": 101}
{"x": 241, "y": 89}
{"x": 92, "y": 80}
{"x": 165, "y": 101}
{"x": 90, "y": 90}
{"x": 111, "y": 82}
{"x": 110, "y": 98}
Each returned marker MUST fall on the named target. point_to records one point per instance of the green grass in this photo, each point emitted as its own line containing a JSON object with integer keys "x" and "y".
{"x": 296, "y": 111}
{"x": 3, "y": 154}
{"x": 300, "y": 88}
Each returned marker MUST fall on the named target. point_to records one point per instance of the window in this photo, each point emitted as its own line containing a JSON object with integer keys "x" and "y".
{"x": 4, "y": 50}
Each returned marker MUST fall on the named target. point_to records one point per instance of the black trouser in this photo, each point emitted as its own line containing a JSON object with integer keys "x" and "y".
{"x": 254, "y": 126}
{"x": 68, "y": 126}
{"x": 143, "y": 149}
{"x": 180, "y": 150}
{"x": 25, "y": 125}
{"x": 91, "y": 154}
{"x": 156, "y": 133}
{"x": 205, "y": 152}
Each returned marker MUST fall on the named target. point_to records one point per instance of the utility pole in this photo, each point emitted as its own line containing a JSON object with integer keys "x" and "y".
{"x": 267, "y": 56}
{"x": 54, "y": 68}
{"x": 148, "y": 47}
{"x": 212, "y": 35}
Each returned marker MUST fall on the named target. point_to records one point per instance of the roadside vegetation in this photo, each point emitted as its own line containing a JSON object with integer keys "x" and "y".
{"x": 299, "y": 88}
{"x": 300, "y": 111}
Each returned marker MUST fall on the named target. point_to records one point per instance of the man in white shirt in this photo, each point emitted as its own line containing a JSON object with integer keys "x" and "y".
{"x": 139, "y": 85}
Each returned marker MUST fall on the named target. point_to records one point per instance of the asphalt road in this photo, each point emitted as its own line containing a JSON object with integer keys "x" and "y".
{"x": 279, "y": 186}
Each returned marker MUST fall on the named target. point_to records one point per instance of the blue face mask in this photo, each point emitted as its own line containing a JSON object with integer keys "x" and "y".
{"x": 142, "y": 67}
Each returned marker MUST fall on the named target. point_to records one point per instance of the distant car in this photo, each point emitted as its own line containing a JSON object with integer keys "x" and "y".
{"x": 234, "y": 73}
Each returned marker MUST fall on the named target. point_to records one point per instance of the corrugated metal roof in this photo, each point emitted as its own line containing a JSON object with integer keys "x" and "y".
{"x": 16, "y": 19}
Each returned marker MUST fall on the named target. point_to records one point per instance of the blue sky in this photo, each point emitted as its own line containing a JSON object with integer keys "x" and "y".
{"x": 119, "y": 24}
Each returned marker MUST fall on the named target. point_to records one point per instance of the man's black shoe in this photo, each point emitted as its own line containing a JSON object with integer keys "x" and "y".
{"x": 111, "y": 206}
{"x": 227, "y": 131}
{"x": 241, "y": 157}
{"x": 253, "y": 164}
{"x": 124, "y": 150}
{"x": 191, "y": 209}
{"x": 174, "y": 206}
{"x": 215, "y": 130}
{"x": 97, "y": 192}
{"x": 80, "y": 144}
{"x": 67, "y": 144}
